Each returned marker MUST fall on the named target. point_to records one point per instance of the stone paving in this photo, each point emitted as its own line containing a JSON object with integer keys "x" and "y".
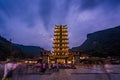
{"x": 109, "y": 72}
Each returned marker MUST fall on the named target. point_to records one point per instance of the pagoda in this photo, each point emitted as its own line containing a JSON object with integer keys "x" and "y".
{"x": 60, "y": 52}
{"x": 60, "y": 43}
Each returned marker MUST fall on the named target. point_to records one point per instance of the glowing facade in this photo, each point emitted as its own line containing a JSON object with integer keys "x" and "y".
{"x": 61, "y": 53}
{"x": 60, "y": 44}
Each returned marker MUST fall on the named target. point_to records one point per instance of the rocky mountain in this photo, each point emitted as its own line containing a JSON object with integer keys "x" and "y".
{"x": 18, "y": 51}
{"x": 102, "y": 43}
{"x": 7, "y": 49}
{"x": 29, "y": 51}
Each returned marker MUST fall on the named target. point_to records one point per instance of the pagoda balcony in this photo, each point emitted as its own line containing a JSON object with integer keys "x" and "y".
{"x": 64, "y": 28}
{"x": 56, "y": 39}
{"x": 57, "y": 27}
{"x": 64, "y": 46}
{"x": 64, "y": 31}
{"x": 56, "y": 34}
{"x": 64, "y": 38}
{"x": 56, "y": 46}
{"x": 57, "y": 31}
{"x": 56, "y": 42}
{"x": 64, "y": 42}
{"x": 60, "y": 42}
{"x": 64, "y": 34}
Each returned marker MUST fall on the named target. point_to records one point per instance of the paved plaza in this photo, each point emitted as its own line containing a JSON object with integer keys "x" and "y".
{"x": 106, "y": 72}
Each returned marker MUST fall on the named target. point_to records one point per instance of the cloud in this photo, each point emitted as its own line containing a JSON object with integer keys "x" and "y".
{"x": 32, "y": 22}
{"x": 88, "y": 20}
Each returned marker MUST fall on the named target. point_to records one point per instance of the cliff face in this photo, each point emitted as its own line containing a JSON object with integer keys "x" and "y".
{"x": 18, "y": 51}
{"x": 102, "y": 43}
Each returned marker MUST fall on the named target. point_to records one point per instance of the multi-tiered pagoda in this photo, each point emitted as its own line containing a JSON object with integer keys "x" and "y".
{"x": 60, "y": 44}
{"x": 60, "y": 53}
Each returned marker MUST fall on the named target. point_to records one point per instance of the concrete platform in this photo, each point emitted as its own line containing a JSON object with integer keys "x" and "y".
{"x": 80, "y": 73}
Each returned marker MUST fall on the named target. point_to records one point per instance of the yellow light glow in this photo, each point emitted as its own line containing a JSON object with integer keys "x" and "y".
{"x": 26, "y": 61}
{"x": 69, "y": 62}
{"x": 30, "y": 61}
{"x": 82, "y": 58}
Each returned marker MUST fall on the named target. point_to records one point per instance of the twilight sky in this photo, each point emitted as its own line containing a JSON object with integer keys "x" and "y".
{"x": 32, "y": 22}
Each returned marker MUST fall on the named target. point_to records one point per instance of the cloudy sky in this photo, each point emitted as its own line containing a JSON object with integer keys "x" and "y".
{"x": 32, "y": 22}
